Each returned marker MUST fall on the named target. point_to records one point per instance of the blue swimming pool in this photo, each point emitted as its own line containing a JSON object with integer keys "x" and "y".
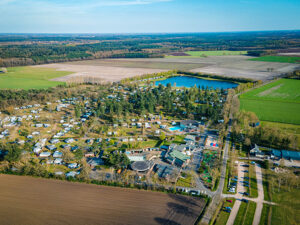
{"x": 175, "y": 128}
{"x": 185, "y": 81}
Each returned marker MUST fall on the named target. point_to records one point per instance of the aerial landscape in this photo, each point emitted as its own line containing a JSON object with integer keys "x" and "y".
{"x": 149, "y": 112}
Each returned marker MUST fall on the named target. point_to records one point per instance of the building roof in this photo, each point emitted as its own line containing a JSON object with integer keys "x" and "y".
{"x": 178, "y": 155}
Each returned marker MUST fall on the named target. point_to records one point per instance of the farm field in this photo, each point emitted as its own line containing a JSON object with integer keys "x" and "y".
{"x": 112, "y": 70}
{"x": 276, "y": 58}
{"x": 30, "y": 78}
{"x": 278, "y": 101}
{"x": 28, "y": 200}
{"x": 99, "y": 73}
{"x": 129, "y": 63}
{"x": 208, "y": 53}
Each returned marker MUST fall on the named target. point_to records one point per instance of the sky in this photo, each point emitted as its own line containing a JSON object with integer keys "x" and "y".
{"x": 147, "y": 16}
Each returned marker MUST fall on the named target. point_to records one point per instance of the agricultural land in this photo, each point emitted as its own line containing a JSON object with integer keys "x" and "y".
{"x": 41, "y": 201}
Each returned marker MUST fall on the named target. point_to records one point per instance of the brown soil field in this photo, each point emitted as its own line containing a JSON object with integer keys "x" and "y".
{"x": 36, "y": 201}
{"x": 101, "y": 73}
{"x": 113, "y": 70}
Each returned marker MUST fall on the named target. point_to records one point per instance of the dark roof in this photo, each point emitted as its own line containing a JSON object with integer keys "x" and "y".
{"x": 140, "y": 166}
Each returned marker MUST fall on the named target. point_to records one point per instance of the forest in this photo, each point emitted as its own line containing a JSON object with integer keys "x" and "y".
{"x": 31, "y": 49}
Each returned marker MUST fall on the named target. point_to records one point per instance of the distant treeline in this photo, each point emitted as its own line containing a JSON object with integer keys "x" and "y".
{"x": 30, "y": 49}
{"x": 293, "y": 75}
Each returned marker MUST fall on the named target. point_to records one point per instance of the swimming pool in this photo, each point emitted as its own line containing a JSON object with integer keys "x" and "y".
{"x": 175, "y": 128}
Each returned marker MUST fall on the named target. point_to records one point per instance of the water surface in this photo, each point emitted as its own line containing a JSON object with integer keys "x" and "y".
{"x": 185, "y": 81}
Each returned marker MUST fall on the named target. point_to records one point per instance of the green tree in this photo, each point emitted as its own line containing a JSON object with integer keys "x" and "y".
{"x": 13, "y": 153}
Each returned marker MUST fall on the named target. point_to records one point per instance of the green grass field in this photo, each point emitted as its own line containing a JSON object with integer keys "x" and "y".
{"x": 278, "y": 101}
{"x": 253, "y": 182}
{"x": 208, "y": 53}
{"x": 223, "y": 216}
{"x": 277, "y": 58}
{"x": 30, "y": 78}
{"x": 245, "y": 214}
{"x": 264, "y": 219}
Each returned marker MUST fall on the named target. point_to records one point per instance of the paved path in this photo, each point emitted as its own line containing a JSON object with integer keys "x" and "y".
{"x": 238, "y": 196}
{"x": 260, "y": 198}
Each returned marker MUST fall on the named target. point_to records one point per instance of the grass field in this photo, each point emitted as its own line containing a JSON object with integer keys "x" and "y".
{"x": 253, "y": 182}
{"x": 245, "y": 214}
{"x": 35, "y": 201}
{"x": 278, "y": 101}
{"x": 287, "y": 210}
{"x": 223, "y": 216}
{"x": 276, "y": 58}
{"x": 30, "y": 78}
{"x": 208, "y": 53}
{"x": 264, "y": 219}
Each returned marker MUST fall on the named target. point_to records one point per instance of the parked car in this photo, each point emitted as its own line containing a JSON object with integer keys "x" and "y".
{"x": 228, "y": 200}
{"x": 245, "y": 200}
{"x": 246, "y": 193}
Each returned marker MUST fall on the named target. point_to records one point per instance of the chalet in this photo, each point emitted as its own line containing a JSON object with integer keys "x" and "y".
{"x": 54, "y": 141}
{"x": 69, "y": 140}
{"x": 51, "y": 147}
{"x": 95, "y": 161}
{"x": 58, "y": 161}
{"x": 57, "y": 154}
{"x": 72, "y": 165}
{"x": 45, "y": 154}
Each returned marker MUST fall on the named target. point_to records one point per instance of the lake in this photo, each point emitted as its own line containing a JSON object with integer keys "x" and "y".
{"x": 184, "y": 81}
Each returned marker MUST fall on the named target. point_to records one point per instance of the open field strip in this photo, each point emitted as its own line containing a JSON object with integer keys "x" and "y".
{"x": 276, "y": 58}
{"x": 30, "y": 78}
{"x": 208, "y": 53}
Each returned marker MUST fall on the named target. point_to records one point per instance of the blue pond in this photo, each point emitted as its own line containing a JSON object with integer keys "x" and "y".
{"x": 184, "y": 81}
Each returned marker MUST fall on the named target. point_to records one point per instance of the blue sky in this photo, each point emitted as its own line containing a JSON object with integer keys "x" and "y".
{"x": 147, "y": 16}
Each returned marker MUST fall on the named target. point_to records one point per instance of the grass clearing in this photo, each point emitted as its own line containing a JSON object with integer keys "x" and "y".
{"x": 276, "y": 58}
{"x": 223, "y": 216}
{"x": 245, "y": 214}
{"x": 264, "y": 219}
{"x": 241, "y": 214}
{"x": 30, "y": 78}
{"x": 278, "y": 101}
{"x": 253, "y": 182}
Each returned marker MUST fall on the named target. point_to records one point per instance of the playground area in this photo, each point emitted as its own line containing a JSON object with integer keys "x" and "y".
{"x": 212, "y": 142}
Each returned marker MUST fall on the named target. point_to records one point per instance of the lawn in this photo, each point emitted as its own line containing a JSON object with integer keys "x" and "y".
{"x": 264, "y": 219}
{"x": 288, "y": 199}
{"x": 185, "y": 181}
{"x": 276, "y": 58}
{"x": 253, "y": 182}
{"x": 245, "y": 214}
{"x": 208, "y": 53}
{"x": 278, "y": 101}
{"x": 223, "y": 216}
{"x": 30, "y": 78}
